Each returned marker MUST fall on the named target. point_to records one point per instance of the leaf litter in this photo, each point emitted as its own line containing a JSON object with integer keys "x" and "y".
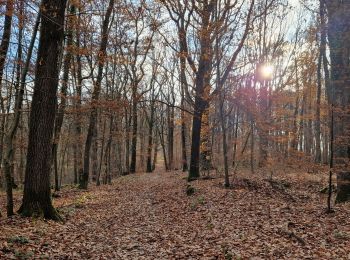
{"x": 150, "y": 216}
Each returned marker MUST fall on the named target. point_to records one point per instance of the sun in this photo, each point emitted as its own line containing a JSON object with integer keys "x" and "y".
{"x": 266, "y": 71}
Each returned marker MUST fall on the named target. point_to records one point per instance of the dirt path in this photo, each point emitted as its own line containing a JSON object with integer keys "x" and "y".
{"x": 149, "y": 216}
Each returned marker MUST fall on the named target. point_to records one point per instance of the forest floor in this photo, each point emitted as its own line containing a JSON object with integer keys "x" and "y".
{"x": 150, "y": 216}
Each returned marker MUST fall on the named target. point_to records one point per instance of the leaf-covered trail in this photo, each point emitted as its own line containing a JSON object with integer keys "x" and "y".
{"x": 149, "y": 216}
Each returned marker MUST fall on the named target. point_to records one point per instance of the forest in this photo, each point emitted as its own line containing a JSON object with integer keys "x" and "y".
{"x": 174, "y": 129}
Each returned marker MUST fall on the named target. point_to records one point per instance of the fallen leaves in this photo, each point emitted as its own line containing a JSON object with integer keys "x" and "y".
{"x": 149, "y": 216}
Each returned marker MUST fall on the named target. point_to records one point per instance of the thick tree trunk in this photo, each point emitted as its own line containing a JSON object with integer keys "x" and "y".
{"x": 323, "y": 53}
{"x": 37, "y": 194}
{"x": 202, "y": 88}
{"x": 78, "y": 118}
{"x": 195, "y": 145}
{"x": 338, "y": 36}
{"x": 200, "y": 104}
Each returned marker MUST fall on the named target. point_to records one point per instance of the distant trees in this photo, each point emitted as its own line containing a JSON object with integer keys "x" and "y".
{"x": 67, "y": 60}
{"x": 174, "y": 84}
{"x": 101, "y": 60}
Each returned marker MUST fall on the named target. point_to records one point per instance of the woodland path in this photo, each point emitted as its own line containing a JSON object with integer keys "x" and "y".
{"x": 149, "y": 216}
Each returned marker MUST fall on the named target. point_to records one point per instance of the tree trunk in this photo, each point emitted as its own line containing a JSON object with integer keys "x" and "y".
{"x": 195, "y": 145}
{"x": 63, "y": 94}
{"x": 155, "y": 154}
{"x": 171, "y": 138}
{"x": 200, "y": 104}
{"x": 150, "y": 139}
{"x": 84, "y": 179}
{"x": 318, "y": 112}
{"x": 252, "y": 145}
{"x": 78, "y": 119}
{"x": 94, "y": 155}
{"x": 103, "y": 147}
{"x": 338, "y": 37}
{"x": 162, "y": 143}
{"x": 37, "y": 194}
{"x": 235, "y": 137}
{"x": 127, "y": 142}
{"x": 134, "y": 129}
{"x": 11, "y": 133}
{"x": 294, "y": 142}
{"x": 224, "y": 142}
{"x": 183, "y": 123}
{"x": 183, "y": 142}
{"x": 4, "y": 47}
{"x": 263, "y": 125}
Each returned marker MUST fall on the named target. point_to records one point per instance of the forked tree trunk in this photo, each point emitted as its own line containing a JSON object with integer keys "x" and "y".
{"x": 37, "y": 193}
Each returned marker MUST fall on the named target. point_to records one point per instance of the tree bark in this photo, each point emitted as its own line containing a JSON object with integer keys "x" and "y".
{"x": 170, "y": 137}
{"x": 224, "y": 142}
{"x": 37, "y": 194}
{"x": 134, "y": 128}
{"x": 338, "y": 37}
{"x": 4, "y": 47}
{"x": 318, "y": 112}
{"x": 11, "y": 133}
{"x": 150, "y": 139}
{"x": 202, "y": 88}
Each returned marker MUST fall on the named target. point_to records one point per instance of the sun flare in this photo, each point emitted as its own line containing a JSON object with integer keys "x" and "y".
{"x": 266, "y": 71}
